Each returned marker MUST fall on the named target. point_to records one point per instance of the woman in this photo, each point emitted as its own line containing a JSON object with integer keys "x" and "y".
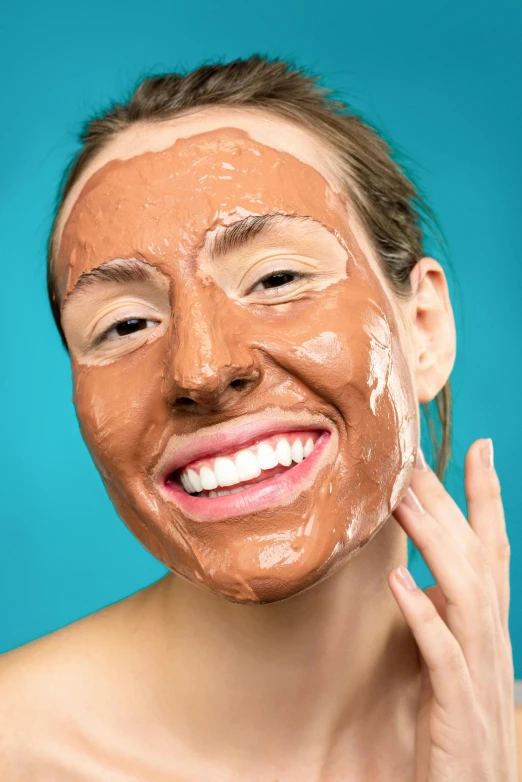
{"x": 236, "y": 270}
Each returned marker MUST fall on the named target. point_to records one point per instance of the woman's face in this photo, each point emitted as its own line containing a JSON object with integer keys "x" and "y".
{"x": 230, "y": 331}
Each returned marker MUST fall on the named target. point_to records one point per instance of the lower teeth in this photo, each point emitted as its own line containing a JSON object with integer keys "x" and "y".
{"x": 222, "y": 492}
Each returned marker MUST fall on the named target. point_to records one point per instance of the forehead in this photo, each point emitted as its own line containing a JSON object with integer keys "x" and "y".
{"x": 269, "y": 130}
{"x": 156, "y": 190}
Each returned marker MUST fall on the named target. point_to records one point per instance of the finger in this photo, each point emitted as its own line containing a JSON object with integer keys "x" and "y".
{"x": 449, "y": 674}
{"x": 470, "y": 608}
{"x": 444, "y": 509}
{"x": 437, "y": 501}
{"x": 486, "y": 518}
{"x": 437, "y": 598}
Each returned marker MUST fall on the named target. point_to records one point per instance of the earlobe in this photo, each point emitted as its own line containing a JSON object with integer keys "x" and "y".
{"x": 434, "y": 326}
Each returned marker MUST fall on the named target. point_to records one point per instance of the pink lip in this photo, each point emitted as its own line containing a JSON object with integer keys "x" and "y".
{"x": 261, "y": 495}
{"x": 227, "y": 441}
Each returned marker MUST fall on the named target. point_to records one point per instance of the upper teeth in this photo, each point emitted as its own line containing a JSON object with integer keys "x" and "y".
{"x": 246, "y": 464}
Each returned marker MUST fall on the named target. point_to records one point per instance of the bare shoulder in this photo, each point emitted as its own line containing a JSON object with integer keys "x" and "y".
{"x": 49, "y": 687}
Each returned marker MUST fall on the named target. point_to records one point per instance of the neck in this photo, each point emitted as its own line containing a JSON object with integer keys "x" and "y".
{"x": 335, "y": 665}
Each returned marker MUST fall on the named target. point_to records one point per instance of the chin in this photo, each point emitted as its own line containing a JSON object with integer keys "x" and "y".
{"x": 274, "y": 553}
{"x": 253, "y": 569}
{"x": 253, "y": 587}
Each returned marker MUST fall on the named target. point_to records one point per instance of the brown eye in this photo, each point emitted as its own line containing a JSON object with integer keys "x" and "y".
{"x": 124, "y": 328}
{"x": 275, "y": 280}
{"x": 280, "y": 279}
{"x": 130, "y": 326}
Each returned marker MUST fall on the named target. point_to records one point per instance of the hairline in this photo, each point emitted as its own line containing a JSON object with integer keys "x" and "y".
{"x": 330, "y": 155}
{"x": 336, "y": 174}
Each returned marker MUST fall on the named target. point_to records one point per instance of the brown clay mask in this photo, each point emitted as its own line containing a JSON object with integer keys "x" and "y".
{"x": 249, "y": 318}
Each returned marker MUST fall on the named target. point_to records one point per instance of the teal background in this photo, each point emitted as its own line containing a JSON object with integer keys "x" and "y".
{"x": 441, "y": 79}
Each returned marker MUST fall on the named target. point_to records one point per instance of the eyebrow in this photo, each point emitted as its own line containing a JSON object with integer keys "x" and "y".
{"x": 237, "y": 235}
{"x": 223, "y": 241}
{"x": 117, "y": 270}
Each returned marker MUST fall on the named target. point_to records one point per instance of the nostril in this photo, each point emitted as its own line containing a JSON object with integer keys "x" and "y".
{"x": 239, "y": 383}
{"x": 185, "y": 401}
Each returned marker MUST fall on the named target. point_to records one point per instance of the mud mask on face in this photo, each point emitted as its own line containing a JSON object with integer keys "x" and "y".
{"x": 327, "y": 360}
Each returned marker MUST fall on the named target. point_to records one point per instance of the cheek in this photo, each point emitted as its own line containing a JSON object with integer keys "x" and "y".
{"x": 121, "y": 411}
{"x": 345, "y": 349}
{"x": 126, "y": 424}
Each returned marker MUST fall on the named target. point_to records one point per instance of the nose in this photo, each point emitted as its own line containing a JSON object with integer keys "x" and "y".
{"x": 211, "y": 364}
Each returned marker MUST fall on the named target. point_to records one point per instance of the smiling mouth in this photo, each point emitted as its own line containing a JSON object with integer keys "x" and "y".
{"x": 236, "y": 471}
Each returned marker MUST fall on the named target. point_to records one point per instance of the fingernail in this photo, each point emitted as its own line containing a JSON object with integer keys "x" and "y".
{"x": 405, "y": 578}
{"x": 486, "y": 453}
{"x": 411, "y": 501}
{"x": 420, "y": 462}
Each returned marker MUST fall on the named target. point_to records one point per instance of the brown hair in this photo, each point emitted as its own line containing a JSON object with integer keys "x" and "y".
{"x": 386, "y": 200}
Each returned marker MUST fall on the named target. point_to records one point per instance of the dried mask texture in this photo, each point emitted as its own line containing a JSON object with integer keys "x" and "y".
{"x": 335, "y": 353}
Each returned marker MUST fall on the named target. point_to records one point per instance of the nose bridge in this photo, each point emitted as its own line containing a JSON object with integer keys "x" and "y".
{"x": 208, "y": 346}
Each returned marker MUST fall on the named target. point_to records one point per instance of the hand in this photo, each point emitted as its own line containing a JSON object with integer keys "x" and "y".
{"x": 465, "y": 729}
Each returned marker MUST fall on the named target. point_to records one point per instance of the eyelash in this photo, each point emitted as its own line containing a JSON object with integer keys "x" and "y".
{"x": 103, "y": 336}
{"x": 296, "y": 275}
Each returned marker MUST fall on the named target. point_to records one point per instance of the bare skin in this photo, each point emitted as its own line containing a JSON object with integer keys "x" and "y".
{"x": 176, "y": 683}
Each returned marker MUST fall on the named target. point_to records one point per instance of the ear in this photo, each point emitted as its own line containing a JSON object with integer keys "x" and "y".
{"x": 434, "y": 328}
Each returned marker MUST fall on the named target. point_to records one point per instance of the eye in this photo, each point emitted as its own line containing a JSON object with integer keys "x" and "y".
{"x": 124, "y": 328}
{"x": 276, "y": 280}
